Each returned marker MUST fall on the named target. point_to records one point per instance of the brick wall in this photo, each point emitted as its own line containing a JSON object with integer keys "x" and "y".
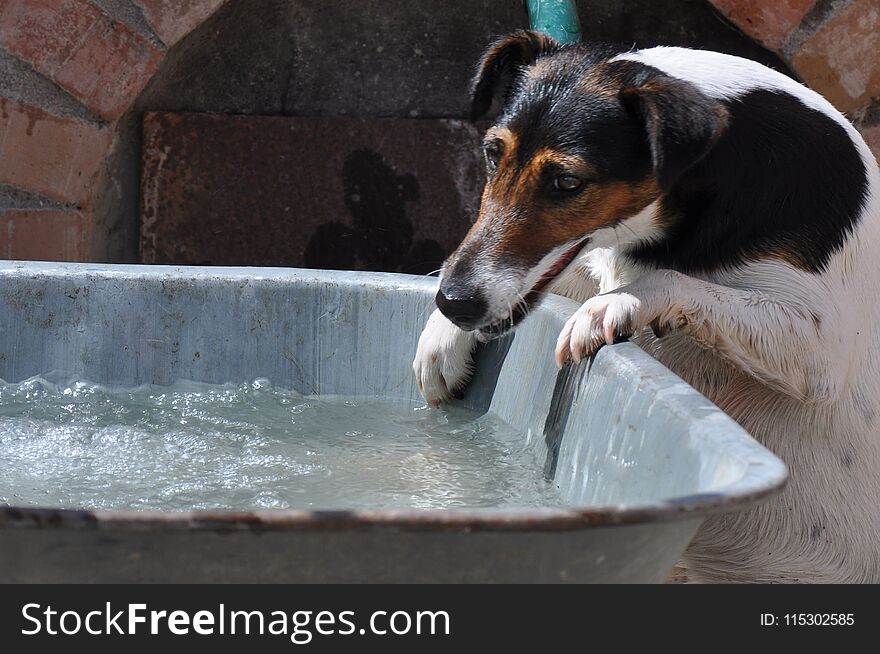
{"x": 72, "y": 70}
{"x": 833, "y": 45}
{"x": 69, "y": 69}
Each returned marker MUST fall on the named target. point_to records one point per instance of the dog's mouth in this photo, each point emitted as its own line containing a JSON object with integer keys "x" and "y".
{"x": 534, "y": 296}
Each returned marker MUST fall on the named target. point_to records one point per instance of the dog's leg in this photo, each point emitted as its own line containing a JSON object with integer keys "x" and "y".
{"x": 444, "y": 359}
{"x": 774, "y": 340}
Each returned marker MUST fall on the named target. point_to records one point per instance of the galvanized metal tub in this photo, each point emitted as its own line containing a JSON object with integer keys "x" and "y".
{"x": 640, "y": 458}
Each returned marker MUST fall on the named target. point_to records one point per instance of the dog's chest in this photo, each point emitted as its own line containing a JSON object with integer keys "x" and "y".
{"x": 599, "y": 270}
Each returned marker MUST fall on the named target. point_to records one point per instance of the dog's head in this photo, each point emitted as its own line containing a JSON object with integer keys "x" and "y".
{"x": 582, "y": 144}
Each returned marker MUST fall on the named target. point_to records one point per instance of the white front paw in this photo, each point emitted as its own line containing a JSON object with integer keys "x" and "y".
{"x": 443, "y": 363}
{"x": 599, "y": 321}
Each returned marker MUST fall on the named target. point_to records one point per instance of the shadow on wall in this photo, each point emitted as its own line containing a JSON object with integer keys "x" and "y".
{"x": 381, "y": 235}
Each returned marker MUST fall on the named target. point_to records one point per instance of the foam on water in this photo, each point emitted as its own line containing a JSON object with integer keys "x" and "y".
{"x": 244, "y": 446}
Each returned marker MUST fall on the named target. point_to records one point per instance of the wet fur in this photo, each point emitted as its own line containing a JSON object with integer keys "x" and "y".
{"x": 755, "y": 254}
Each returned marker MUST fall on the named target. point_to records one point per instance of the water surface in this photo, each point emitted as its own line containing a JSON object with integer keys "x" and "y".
{"x": 254, "y": 446}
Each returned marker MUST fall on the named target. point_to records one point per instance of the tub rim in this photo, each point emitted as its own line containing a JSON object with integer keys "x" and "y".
{"x": 764, "y": 474}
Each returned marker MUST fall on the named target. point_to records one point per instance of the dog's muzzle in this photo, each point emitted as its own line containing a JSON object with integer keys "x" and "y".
{"x": 466, "y": 311}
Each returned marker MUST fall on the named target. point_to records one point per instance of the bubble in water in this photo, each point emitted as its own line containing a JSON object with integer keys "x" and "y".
{"x": 253, "y": 445}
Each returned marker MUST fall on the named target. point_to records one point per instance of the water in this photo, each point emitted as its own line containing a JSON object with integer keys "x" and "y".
{"x": 253, "y": 446}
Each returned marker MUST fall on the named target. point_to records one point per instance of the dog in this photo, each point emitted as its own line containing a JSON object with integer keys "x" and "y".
{"x": 724, "y": 217}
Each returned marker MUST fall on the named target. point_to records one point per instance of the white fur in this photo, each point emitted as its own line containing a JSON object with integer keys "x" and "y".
{"x": 792, "y": 356}
{"x": 640, "y": 228}
{"x": 724, "y": 77}
{"x": 443, "y": 359}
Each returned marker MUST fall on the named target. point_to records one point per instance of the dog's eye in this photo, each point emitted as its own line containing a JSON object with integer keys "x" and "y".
{"x": 567, "y": 183}
{"x": 493, "y": 156}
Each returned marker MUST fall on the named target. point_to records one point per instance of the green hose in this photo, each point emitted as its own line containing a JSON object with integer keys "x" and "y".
{"x": 556, "y": 18}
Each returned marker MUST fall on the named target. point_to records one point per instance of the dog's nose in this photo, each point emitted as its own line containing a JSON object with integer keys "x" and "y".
{"x": 464, "y": 309}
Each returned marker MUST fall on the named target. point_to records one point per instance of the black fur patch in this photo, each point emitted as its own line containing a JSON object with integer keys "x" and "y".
{"x": 682, "y": 123}
{"x": 502, "y": 62}
{"x": 559, "y": 111}
{"x": 783, "y": 180}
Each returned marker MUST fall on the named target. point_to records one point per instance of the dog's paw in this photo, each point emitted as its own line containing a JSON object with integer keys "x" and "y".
{"x": 601, "y": 320}
{"x": 444, "y": 362}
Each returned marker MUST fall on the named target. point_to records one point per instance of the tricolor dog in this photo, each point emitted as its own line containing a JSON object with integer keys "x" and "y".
{"x": 725, "y": 217}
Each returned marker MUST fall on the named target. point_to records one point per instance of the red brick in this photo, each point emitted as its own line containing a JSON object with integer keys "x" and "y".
{"x": 43, "y": 236}
{"x": 174, "y": 19}
{"x": 769, "y": 23}
{"x": 77, "y": 45}
{"x": 841, "y": 60}
{"x": 56, "y": 157}
{"x": 45, "y": 33}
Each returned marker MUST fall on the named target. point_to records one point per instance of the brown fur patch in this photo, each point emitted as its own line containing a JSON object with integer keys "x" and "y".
{"x": 602, "y": 81}
{"x": 517, "y": 222}
{"x": 503, "y": 134}
{"x": 509, "y": 142}
{"x": 599, "y": 205}
{"x": 793, "y": 258}
{"x": 520, "y": 188}
{"x": 547, "y": 157}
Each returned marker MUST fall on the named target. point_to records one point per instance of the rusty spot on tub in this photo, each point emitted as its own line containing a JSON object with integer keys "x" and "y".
{"x": 476, "y": 520}
{"x": 12, "y": 516}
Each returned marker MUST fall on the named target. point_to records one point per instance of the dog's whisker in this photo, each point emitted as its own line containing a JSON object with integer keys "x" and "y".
{"x": 523, "y": 304}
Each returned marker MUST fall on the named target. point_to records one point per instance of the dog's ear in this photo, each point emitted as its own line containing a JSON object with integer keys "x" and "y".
{"x": 501, "y": 63}
{"x": 682, "y": 123}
